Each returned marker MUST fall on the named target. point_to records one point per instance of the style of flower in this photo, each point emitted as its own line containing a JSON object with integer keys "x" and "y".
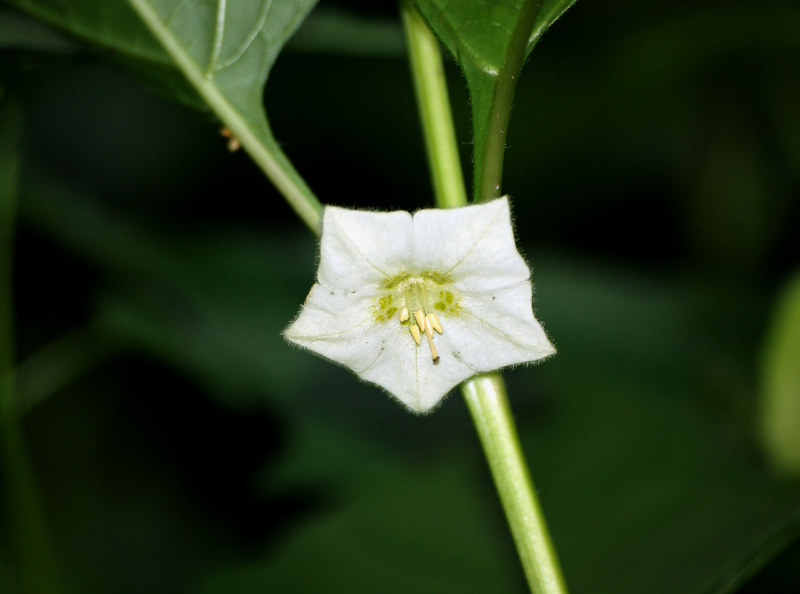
{"x": 419, "y": 303}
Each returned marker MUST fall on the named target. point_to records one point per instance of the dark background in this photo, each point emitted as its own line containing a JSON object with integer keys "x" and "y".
{"x": 182, "y": 446}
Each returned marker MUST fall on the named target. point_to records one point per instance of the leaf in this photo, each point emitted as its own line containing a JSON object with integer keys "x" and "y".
{"x": 765, "y": 552}
{"x": 224, "y": 50}
{"x": 427, "y": 529}
{"x": 226, "y": 54}
{"x": 20, "y": 32}
{"x": 490, "y": 41}
{"x": 173, "y": 305}
{"x": 780, "y": 398}
{"x": 115, "y": 30}
{"x": 111, "y": 26}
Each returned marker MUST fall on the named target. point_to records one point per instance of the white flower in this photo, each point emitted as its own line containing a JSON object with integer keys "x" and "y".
{"x": 417, "y": 304}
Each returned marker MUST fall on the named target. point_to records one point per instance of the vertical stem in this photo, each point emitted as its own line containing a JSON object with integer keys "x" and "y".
{"x": 485, "y": 395}
{"x": 488, "y": 403}
{"x": 434, "y": 107}
{"x": 23, "y": 508}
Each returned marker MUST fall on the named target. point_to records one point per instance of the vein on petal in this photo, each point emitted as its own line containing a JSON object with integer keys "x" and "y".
{"x": 497, "y": 330}
{"x": 333, "y": 335}
{"x": 383, "y": 341}
{"x": 369, "y": 366}
{"x": 474, "y": 245}
{"x": 360, "y": 253}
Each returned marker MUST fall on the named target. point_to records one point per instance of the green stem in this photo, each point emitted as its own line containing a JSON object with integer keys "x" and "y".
{"x": 24, "y": 510}
{"x": 490, "y": 163}
{"x": 488, "y": 403}
{"x": 485, "y": 395}
{"x": 434, "y": 106}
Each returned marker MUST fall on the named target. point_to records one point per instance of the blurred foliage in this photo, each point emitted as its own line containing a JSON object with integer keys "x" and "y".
{"x": 780, "y": 409}
{"x": 654, "y": 159}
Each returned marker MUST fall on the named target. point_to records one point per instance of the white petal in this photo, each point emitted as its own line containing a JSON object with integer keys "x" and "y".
{"x": 474, "y": 245}
{"x": 361, "y": 248}
{"x": 336, "y": 325}
{"x": 497, "y": 329}
{"x": 341, "y": 329}
{"x": 407, "y": 371}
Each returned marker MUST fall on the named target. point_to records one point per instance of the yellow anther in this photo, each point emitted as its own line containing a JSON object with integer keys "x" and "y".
{"x": 415, "y": 333}
{"x": 415, "y": 312}
{"x": 420, "y": 317}
{"x": 428, "y": 329}
{"x": 434, "y": 354}
{"x": 434, "y": 321}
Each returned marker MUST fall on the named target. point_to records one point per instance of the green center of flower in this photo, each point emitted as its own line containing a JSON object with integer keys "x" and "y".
{"x": 420, "y": 300}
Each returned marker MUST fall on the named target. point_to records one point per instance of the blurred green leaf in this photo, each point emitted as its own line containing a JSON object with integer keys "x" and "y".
{"x": 780, "y": 384}
{"x": 490, "y": 41}
{"x": 112, "y": 26}
{"x": 115, "y": 30}
{"x": 20, "y": 32}
{"x": 755, "y": 560}
{"x": 166, "y": 294}
{"x": 420, "y": 530}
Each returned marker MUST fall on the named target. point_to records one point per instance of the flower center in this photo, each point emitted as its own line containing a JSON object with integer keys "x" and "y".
{"x": 417, "y": 314}
{"x": 418, "y": 299}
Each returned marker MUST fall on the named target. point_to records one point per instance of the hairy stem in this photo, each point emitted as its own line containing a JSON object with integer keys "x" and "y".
{"x": 434, "y": 107}
{"x": 488, "y": 404}
{"x": 485, "y": 395}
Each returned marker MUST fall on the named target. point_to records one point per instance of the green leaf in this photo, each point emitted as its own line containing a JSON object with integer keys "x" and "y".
{"x": 21, "y": 498}
{"x": 410, "y": 530}
{"x": 491, "y": 41}
{"x": 765, "y": 552}
{"x": 224, "y": 50}
{"x": 226, "y": 54}
{"x": 111, "y": 26}
{"x": 780, "y": 404}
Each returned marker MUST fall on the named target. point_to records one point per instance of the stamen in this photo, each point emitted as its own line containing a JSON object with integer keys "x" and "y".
{"x": 415, "y": 309}
{"x": 433, "y": 320}
{"x": 415, "y": 333}
{"x": 420, "y": 319}
{"x": 434, "y": 354}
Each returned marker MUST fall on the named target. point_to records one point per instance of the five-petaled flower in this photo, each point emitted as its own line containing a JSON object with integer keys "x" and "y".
{"x": 418, "y": 303}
